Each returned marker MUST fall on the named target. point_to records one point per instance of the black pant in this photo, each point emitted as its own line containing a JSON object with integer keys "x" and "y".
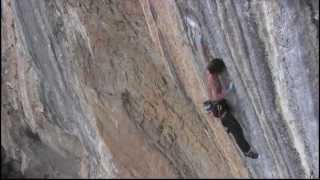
{"x": 234, "y": 127}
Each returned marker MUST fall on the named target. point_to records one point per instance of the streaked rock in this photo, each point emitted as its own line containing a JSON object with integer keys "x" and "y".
{"x": 102, "y": 89}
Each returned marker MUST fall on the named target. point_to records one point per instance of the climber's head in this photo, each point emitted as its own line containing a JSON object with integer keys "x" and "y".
{"x": 216, "y": 66}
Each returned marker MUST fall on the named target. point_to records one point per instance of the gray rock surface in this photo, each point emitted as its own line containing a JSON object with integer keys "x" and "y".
{"x": 271, "y": 49}
{"x": 101, "y": 89}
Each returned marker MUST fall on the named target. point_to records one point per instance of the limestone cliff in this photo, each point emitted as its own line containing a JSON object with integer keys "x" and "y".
{"x": 101, "y": 89}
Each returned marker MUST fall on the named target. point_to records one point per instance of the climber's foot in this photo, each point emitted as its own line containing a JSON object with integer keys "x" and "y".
{"x": 252, "y": 154}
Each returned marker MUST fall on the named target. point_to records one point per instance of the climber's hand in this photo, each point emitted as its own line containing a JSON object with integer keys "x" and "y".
{"x": 208, "y": 106}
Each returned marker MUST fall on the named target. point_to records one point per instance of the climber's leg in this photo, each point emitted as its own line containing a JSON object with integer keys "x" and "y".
{"x": 234, "y": 127}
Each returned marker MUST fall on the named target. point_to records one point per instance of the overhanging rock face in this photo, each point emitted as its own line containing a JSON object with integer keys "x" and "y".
{"x": 102, "y": 89}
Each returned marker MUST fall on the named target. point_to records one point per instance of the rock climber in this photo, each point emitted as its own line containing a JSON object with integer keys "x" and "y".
{"x": 217, "y": 105}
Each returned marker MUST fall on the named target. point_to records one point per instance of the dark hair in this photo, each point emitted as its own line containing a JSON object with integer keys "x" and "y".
{"x": 216, "y": 65}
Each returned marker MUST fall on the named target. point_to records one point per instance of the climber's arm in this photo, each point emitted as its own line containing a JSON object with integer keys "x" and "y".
{"x": 217, "y": 92}
{"x": 209, "y": 86}
{"x": 222, "y": 94}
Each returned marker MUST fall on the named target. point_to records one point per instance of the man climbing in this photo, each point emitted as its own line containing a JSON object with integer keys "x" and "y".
{"x": 218, "y": 107}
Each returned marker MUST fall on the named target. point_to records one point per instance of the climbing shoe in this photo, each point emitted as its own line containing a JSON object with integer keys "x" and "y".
{"x": 252, "y": 154}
